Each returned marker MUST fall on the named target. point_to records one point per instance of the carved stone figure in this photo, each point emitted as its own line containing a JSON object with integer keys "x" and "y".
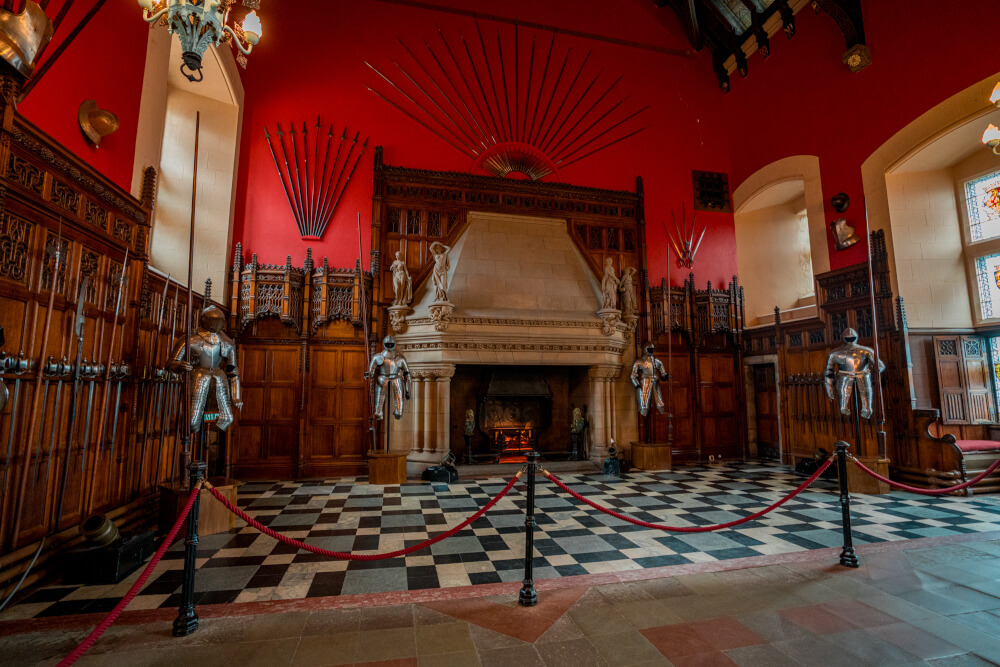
{"x": 213, "y": 361}
{"x": 470, "y": 422}
{"x": 647, "y": 372}
{"x": 402, "y": 284}
{"x": 392, "y": 376}
{"x": 609, "y": 286}
{"x": 849, "y": 369}
{"x": 578, "y": 423}
{"x": 576, "y": 428}
{"x": 439, "y": 276}
{"x": 627, "y": 288}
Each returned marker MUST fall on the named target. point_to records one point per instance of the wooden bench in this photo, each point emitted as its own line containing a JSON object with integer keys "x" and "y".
{"x": 943, "y": 461}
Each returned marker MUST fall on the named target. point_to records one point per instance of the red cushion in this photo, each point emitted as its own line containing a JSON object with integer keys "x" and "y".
{"x": 978, "y": 445}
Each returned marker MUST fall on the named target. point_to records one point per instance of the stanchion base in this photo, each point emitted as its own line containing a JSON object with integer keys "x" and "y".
{"x": 527, "y": 597}
{"x": 848, "y": 558}
{"x": 185, "y": 624}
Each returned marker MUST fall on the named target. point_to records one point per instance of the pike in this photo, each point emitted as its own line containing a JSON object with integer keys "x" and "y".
{"x": 122, "y": 286}
{"x": 602, "y": 133}
{"x": 169, "y": 388}
{"x": 552, "y": 95}
{"x": 314, "y": 208}
{"x": 562, "y": 103}
{"x": 482, "y": 91}
{"x": 327, "y": 192}
{"x": 93, "y": 371}
{"x": 78, "y": 331}
{"x": 159, "y": 385}
{"x": 33, "y": 418}
{"x": 444, "y": 94}
{"x": 428, "y": 127}
{"x": 41, "y": 428}
{"x": 435, "y": 103}
{"x": 492, "y": 134}
{"x": 572, "y": 110}
{"x": 281, "y": 176}
{"x": 305, "y": 169}
{"x": 52, "y": 428}
{"x": 601, "y": 148}
{"x": 511, "y": 128}
{"x": 527, "y": 97}
{"x": 298, "y": 182}
{"x": 493, "y": 86}
{"x": 284, "y": 154}
{"x": 364, "y": 327}
{"x": 558, "y": 144}
{"x": 349, "y": 175}
{"x": 419, "y": 106}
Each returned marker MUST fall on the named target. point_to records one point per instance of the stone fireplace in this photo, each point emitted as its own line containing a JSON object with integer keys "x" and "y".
{"x": 525, "y": 310}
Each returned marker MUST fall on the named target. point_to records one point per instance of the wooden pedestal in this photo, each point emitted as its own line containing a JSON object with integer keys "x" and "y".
{"x": 652, "y": 456}
{"x": 213, "y": 517}
{"x": 386, "y": 467}
{"x": 858, "y": 481}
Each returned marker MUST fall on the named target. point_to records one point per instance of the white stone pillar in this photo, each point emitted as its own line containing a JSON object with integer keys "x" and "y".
{"x": 602, "y": 410}
{"x": 416, "y": 406}
{"x": 435, "y": 417}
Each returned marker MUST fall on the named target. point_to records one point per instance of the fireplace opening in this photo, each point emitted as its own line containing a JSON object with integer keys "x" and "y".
{"x": 516, "y": 409}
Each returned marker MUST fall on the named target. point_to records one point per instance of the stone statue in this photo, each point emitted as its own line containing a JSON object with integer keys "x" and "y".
{"x": 576, "y": 428}
{"x": 402, "y": 284}
{"x": 470, "y": 422}
{"x": 609, "y": 286}
{"x": 848, "y": 369}
{"x": 578, "y": 424}
{"x": 647, "y": 372}
{"x": 627, "y": 287}
{"x": 389, "y": 370}
{"x": 213, "y": 360}
{"x": 439, "y": 277}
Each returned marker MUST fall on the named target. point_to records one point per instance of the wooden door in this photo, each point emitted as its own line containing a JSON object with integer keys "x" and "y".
{"x": 718, "y": 397}
{"x": 336, "y": 440}
{"x": 766, "y": 406}
{"x": 265, "y": 444}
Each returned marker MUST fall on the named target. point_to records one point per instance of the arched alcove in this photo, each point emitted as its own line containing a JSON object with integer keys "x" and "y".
{"x": 166, "y": 139}
{"x": 780, "y": 237}
{"x": 914, "y": 190}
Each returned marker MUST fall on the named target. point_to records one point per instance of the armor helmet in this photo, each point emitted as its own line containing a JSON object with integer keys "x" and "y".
{"x": 212, "y": 319}
{"x": 849, "y": 335}
{"x": 389, "y": 343}
{"x": 648, "y": 347}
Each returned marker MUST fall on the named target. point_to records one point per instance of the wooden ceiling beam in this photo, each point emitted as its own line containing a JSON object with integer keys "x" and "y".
{"x": 848, "y": 17}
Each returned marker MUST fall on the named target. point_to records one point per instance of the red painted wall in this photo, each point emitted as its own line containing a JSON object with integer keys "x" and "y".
{"x": 804, "y": 101}
{"x": 104, "y": 63}
{"x": 300, "y": 70}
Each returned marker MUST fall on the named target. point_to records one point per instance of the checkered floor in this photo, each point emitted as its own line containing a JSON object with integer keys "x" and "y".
{"x": 350, "y": 515}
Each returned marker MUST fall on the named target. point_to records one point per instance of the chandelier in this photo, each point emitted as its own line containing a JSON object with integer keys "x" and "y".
{"x": 199, "y": 23}
{"x": 991, "y": 137}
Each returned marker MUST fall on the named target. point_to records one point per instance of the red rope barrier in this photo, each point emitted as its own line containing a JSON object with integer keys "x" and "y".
{"x": 929, "y": 492}
{"x": 132, "y": 592}
{"x": 692, "y": 529}
{"x": 284, "y": 539}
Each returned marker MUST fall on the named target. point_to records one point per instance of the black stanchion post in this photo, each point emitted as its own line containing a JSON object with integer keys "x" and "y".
{"x": 847, "y": 557}
{"x": 187, "y": 620}
{"x": 528, "y": 597}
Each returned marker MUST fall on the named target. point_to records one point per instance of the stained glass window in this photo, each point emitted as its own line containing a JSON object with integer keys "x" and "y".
{"x": 987, "y": 278}
{"x": 982, "y": 197}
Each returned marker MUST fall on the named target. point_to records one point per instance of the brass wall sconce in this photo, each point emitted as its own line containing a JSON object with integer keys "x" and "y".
{"x": 95, "y": 122}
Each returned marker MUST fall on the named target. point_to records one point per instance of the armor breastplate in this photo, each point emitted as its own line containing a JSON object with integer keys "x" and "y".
{"x": 207, "y": 354}
{"x": 645, "y": 367}
{"x": 390, "y": 367}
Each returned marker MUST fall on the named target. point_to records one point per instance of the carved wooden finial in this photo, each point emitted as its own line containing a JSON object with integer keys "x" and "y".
{"x": 308, "y": 264}
{"x": 208, "y": 289}
{"x": 148, "y": 187}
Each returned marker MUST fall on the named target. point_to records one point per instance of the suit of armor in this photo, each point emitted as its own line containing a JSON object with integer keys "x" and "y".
{"x": 849, "y": 369}
{"x": 647, "y": 371}
{"x": 213, "y": 361}
{"x": 392, "y": 376}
